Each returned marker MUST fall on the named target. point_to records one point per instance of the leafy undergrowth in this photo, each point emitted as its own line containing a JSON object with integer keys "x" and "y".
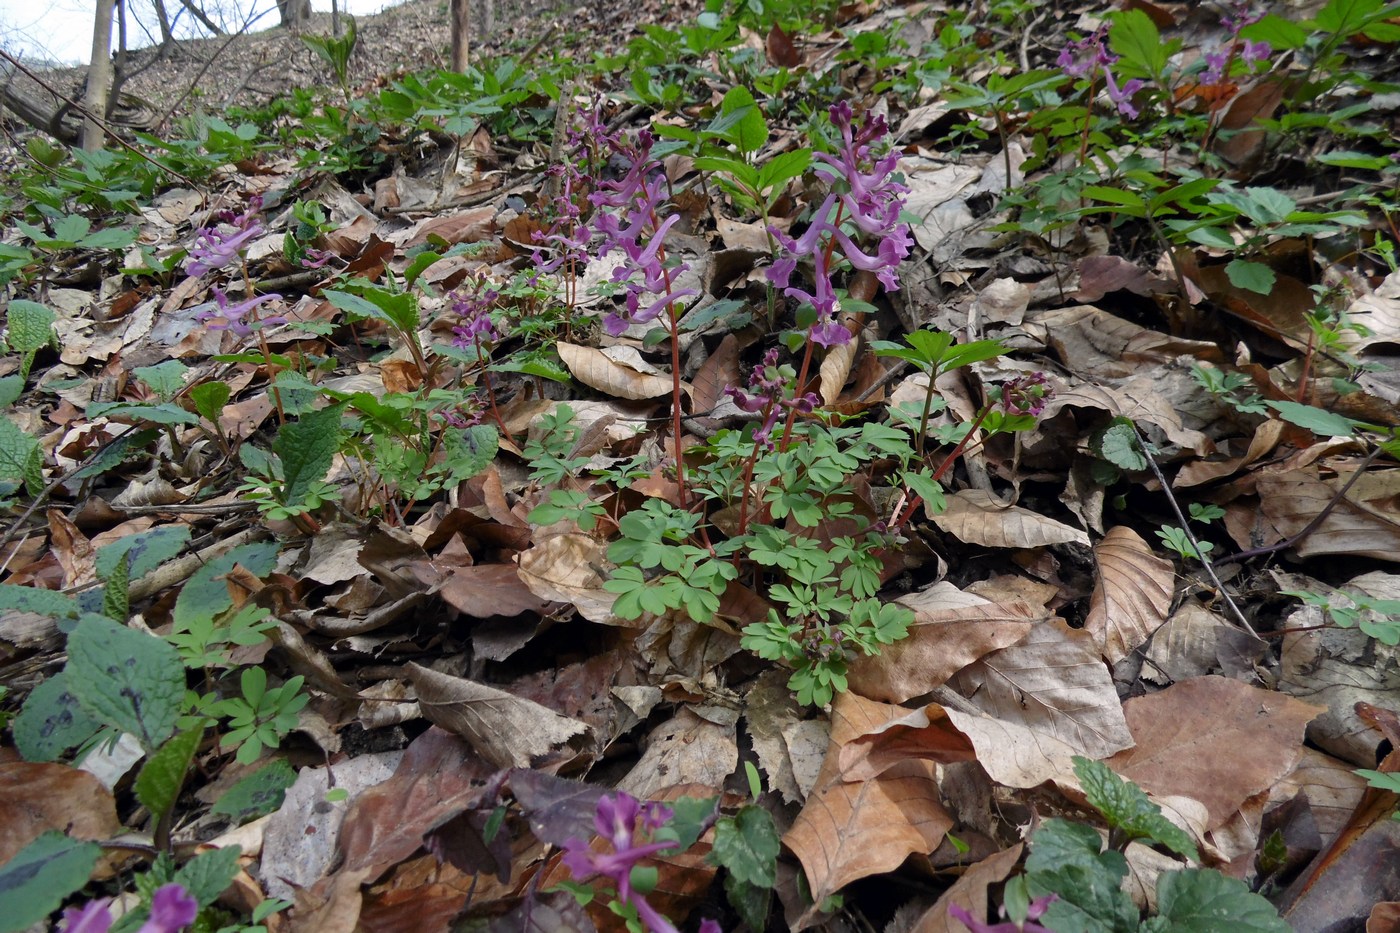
{"x": 1026, "y": 564}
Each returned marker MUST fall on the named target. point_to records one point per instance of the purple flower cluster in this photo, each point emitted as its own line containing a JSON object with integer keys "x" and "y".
{"x": 1090, "y": 56}
{"x": 1026, "y": 395}
{"x": 473, "y": 307}
{"x": 172, "y": 909}
{"x": 626, "y": 219}
{"x": 1034, "y": 912}
{"x": 219, "y": 245}
{"x": 870, "y": 199}
{"x": 629, "y": 826}
{"x": 768, "y": 383}
{"x": 1218, "y": 60}
{"x": 240, "y": 318}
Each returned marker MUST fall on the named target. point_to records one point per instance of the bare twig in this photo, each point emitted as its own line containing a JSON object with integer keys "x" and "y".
{"x": 1186, "y": 527}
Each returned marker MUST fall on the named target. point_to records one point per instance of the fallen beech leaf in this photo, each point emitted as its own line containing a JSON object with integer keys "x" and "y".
{"x": 1052, "y": 683}
{"x": 485, "y": 590}
{"x": 975, "y": 517}
{"x": 780, "y": 49}
{"x": 1213, "y": 739}
{"x": 36, "y": 797}
{"x": 599, "y": 370}
{"x": 566, "y": 568}
{"x": 507, "y": 730}
{"x": 970, "y": 893}
{"x": 686, "y": 749}
{"x": 852, "y": 830}
{"x": 1133, "y": 594}
{"x": 925, "y": 734}
{"x": 1354, "y": 527}
{"x": 940, "y": 644}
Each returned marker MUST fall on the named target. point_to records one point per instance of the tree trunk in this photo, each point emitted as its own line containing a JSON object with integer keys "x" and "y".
{"x": 294, "y": 13}
{"x": 335, "y": 18}
{"x": 167, "y": 38}
{"x": 99, "y": 74}
{"x": 461, "y": 34}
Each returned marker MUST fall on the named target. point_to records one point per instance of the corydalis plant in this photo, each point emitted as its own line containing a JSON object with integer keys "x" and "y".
{"x": 1218, "y": 61}
{"x": 172, "y": 909}
{"x": 867, "y": 196}
{"x": 220, "y": 244}
{"x": 1089, "y": 58}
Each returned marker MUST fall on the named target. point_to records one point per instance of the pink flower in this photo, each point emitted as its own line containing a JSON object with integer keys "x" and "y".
{"x": 219, "y": 245}
{"x": 172, "y": 909}
{"x": 627, "y": 824}
{"x": 239, "y": 318}
{"x": 1034, "y": 912}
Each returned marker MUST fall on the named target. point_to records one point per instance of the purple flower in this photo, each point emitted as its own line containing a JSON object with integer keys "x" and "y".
{"x": 239, "y": 318}
{"x": 1084, "y": 58}
{"x": 1034, "y": 912}
{"x": 629, "y": 826}
{"x": 219, "y": 245}
{"x": 474, "y": 309}
{"x": 1026, "y": 395}
{"x": 172, "y": 909}
{"x": 868, "y": 198}
{"x": 1251, "y": 53}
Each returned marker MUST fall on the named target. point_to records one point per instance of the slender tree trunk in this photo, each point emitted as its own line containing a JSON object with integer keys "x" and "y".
{"x": 488, "y": 8}
{"x": 200, "y": 15}
{"x": 163, "y": 19}
{"x": 335, "y": 18}
{"x": 294, "y": 13}
{"x": 461, "y": 34}
{"x": 99, "y": 74}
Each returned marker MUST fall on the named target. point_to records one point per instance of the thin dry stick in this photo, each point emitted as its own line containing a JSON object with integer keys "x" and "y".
{"x": 1186, "y": 527}
{"x": 106, "y": 127}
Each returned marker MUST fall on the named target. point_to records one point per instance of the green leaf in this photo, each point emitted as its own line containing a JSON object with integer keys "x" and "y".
{"x": 1134, "y": 36}
{"x": 747, "y": 844}
{"x": 52, "y": 721}
{"x": 306, "y": 447}
{"x": 205, "y": 594}
{"x": 33, "y": 599}
{"x": 783, "y": 167}
{"x": 165, "y": 379}
{"x": 148, "y": 550}
{"x": 209, "y": 399}
{"x": 1126, "y": 807}
{"x": 116, "y": 453}
{"x": 750, "y": 133}
{"x": 158, "y": 785}
{"x": 420, "y": 264}
{"x": 1321, "y": 423}
{"x": 30, "y": 326}
{"x": 21, "y": 457}
{"x": 209, "y": 874}
{"x": 1202, "y": 900}
{"x": 1066, "y": 860}
{"x": 257, "y": 794}
{"x": 167, "y": 413}
{"x": 116, "y": 599}
{"x": 41, "y": 876}
{"x": 11, "y": 388}
{"x": 1117, "y": 443}
{"x": 1278, "y": 32}
{"x": 71, "y": 229}
{"x": 110, "y": 238}
{"x": 126, "y": 679}
{"x": 1253, "y": 276}
{"x": 751, "y": 902}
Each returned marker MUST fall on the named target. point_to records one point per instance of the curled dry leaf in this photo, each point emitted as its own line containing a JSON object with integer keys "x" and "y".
{"x": 505, "y": 729}
{"x": 1354, "y": 527}
{"x": 1132, "y": 596}
{"x": 970, "y": 893}
{"x": 36, "y": 797}
{"x": 852, "y": 830}
{"x": 686, "y": 749}
{"x": 612, "y": 372}
{"x": 568, "y": 568}
{"x": 975, "y": 517}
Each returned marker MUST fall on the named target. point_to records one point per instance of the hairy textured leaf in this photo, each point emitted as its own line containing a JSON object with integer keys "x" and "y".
{"x": 209, "y": 874}
{"x": 20, "y": 457}
{"x": 306, "y": 447}
{"x": 52, "y": 721}
{"x": 37, "y": 880}
{"x": 148, "y": 550}
{"x": 33, "y": 599}
{"x": 126, "y": 678}
{"x": 1126, "y": 807}
{"x": 257, "y": 794}
{"x": 205, "y": 594}
{"x": 1202, "y": 900}
{"x": 748, "y": 845}
{"x": 158, "y": 784}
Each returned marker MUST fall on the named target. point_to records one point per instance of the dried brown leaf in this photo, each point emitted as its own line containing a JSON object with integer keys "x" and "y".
{"x": 1132, "y": 596}
{"x": 36, "y": 797}
{"x": 974, "y": 516}
{"x": 970, "y": 893}
{"x": 507, "y": 730}
{"x": 618, "y": 377}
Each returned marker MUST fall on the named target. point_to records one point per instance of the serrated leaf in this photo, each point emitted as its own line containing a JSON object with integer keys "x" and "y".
{"x": 205, "y": 594}
{"x": 747, "y": 845}
{"x": 30, "y": 326}
{"x": 751, "y": 902}
{"x": 21, "y": 458}
{"x": 209, "y": 399}
{"x": 71, "y": 228}
{"x": 148, "y": 550}
{"x": 1253, "y": 276}
{"x": 116, "y": 601}
{"x": 1066, "y": 860}
{"x": 126, "y": 679}
{"x": 471, "y": 450}
{"x": 750, "y": 132}
{"x": 209, "y": 874}
{"x": 52, "y": 721}
{"x": 1322, "y": 423}
{"x": 1202, "y": 900}
{"x": 41, "y": 876}
{"x": 167, "y": 413}
{"x": 306, "y": 447}
{"x": 158, "y": 784}
{"x": 33, "y": 599}
{"x": 1126, "y": 807}
{"x": 165, "y": 379}
{"x": 11, "y": 388}
{"x": 114, "y": 454}
{"x": 257, "y": 794}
